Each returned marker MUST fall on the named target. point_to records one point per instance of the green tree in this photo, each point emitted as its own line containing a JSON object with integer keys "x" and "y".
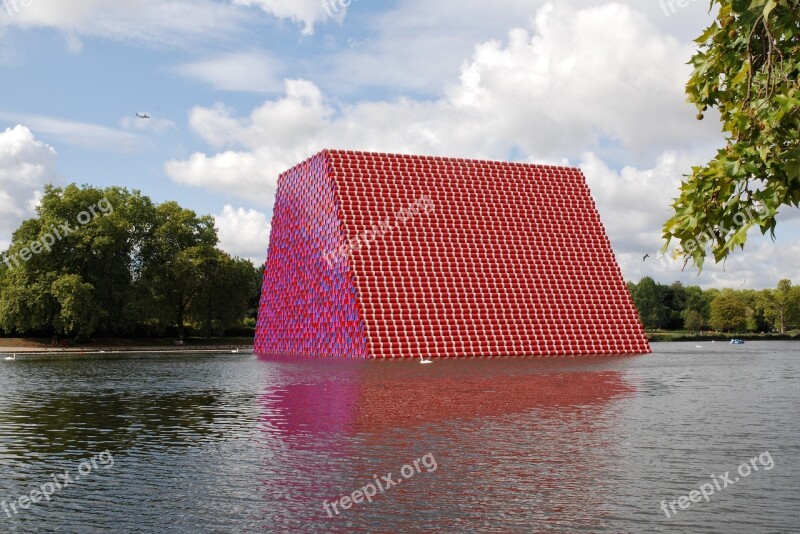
{"x": 26, "y": 304}
{"x": 120, "y": 265}
{"x": 694, "y": 321}
{"x": 648, "y": 296}
{"x": 224, "y": 287}
{"x": 78, "y": 313}
{"x": 697, "y": 308}
{"x": 759, "y": 321}
{"x": 782, "y": 305}
{"x": 675, "y": 300}
{"x": 728, "y": 312}
{"x": 747, "y": 67}
{"x": 80, "y": 241}
{"x": 170, "y": 268}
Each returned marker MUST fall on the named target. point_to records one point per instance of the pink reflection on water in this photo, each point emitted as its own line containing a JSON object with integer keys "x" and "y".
{"x": 561, "y": 412}
{"x": 372, "y": 397}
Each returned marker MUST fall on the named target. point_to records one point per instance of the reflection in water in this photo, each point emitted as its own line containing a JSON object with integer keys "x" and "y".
{"x": 226, "y": 443}
{"x": 363, "y": 397}
{"x": 105, "y": 420}
{"x": 391, "y": 405}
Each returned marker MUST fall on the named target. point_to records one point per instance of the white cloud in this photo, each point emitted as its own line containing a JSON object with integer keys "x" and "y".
{"x": 244, "y": 233}
{"x": 169, "y": 22}
{"x": 445, "y": 31}
{"x": 305, "y": 12}
{"x": 763, "y": 264}
{"x": 78, "y": 133}
{"x": 74, "y": 44}
{"x": 634, "y": 203}
{"x": 159, "y": 21}
{"x": 601, "y": 79}
{"x": 26, "y": 165}
{"x": 246, "y": 175}
{"x": 247, "y": 71}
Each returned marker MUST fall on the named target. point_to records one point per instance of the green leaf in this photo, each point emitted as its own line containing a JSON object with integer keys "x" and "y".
{"x": 771, "y": 4}
{"x": 742, "y": 75}
{"x": 758, "y": 101}
{"x": 710, "y": 32}
{"x": 792, "y": 165}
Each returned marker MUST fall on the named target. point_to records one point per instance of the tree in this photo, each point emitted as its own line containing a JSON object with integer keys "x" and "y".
{"x": 782, "y": 304}
{"x": 649, "y": 299}
{"x": 77, "y": 313}
{"x": 68, "y": 268}
{"x": 111, "y": 261}
{"x": 697, "y": 308}
{"x": 694, "y": 321}
{"x": 747, "y": 68}
{"x": 170, "y": 271}
{"x": 728, "y": 312}
{"x": 224, "y": 287}
{"x": 675, "y": 299}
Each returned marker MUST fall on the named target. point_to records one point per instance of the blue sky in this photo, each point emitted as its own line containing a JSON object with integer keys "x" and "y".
{"x": 240, "y": 90}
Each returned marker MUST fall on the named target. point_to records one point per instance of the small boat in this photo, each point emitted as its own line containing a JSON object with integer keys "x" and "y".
{"x": 737, "y": 341}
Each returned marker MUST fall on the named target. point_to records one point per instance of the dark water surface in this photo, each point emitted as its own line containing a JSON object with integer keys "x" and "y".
{"x": 227, "y": 443}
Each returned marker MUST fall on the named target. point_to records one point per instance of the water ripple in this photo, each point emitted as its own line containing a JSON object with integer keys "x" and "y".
{"x": 227, "y": 443}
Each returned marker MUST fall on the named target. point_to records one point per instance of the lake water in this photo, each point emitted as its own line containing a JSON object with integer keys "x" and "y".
{"x": 227, "y": 443}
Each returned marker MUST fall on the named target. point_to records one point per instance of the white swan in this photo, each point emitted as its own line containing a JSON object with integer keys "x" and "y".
{"x": 423, "y": 361}
{"x": 12, "y": 358}
{"x": 235, "y": 351}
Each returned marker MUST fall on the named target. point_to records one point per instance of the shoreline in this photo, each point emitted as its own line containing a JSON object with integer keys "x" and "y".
{"x": 39, "y": 351}
{"x": 677, "y": 337}
{"x": 237, "y": 345}
{"x": 38, "y": 346}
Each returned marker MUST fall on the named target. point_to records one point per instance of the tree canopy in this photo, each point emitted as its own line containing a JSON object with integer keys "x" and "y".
{"x": 728, "y": 312}
{"x": 112, "y": 261}
{"x": 677, "y": 307}
{"x": 748, "y": 68}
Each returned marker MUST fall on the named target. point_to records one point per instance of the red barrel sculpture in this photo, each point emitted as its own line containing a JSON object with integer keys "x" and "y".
{"x": 377, "y": 255}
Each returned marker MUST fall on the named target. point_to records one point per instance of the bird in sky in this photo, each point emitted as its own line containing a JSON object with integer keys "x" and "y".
{"x": 145, "y": 116}
{"x": 645, "y": 257}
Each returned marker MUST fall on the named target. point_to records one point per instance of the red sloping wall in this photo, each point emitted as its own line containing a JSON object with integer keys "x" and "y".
{"x": 475, "y": 258}
{"x": 308, "y": 306}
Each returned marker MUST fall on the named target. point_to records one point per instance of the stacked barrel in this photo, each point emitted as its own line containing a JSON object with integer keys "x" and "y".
{"x": 308, "y": 307}
{"x": 473, "y": 259}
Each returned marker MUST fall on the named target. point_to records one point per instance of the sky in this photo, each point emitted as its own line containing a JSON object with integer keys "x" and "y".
{"x": 241, "y": 90}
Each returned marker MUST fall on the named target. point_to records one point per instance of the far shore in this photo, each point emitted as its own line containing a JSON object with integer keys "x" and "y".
{"x": 664, "y": 336}
{"x": 235, "y": 345}
{"x": 111, "y": 346}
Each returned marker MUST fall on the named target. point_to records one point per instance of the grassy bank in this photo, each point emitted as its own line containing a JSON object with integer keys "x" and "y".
{"x": 118, "y": 343}
{"x": 666, "y": 336}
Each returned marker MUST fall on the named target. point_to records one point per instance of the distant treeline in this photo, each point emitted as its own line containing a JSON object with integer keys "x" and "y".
{"x": 679, "y": 307}
{"x": 111, "y": 262}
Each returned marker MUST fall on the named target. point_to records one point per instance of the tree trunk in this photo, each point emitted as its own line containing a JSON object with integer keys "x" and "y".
{"x": 179, "y": 319}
